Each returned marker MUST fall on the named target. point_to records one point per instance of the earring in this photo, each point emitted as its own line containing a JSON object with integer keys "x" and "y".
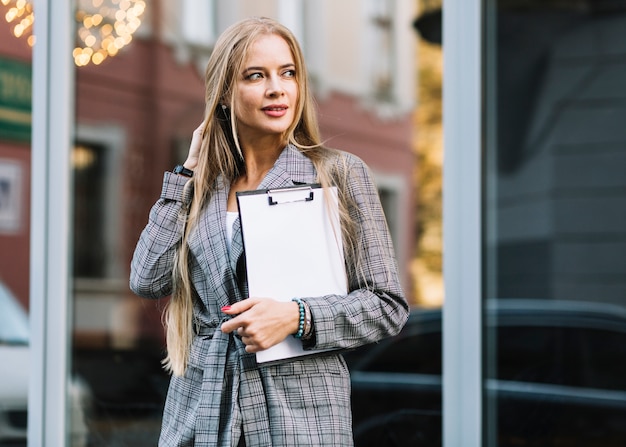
{"x": 225, "y": 112}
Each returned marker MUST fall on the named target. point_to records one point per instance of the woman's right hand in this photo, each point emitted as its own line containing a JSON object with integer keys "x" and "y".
{"x": 194, "y": 148}
{"x": 261, "y": 322}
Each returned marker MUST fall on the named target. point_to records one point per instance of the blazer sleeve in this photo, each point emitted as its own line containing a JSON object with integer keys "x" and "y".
{"x": 375, "y": 306}
{"x": 153, "y": 259}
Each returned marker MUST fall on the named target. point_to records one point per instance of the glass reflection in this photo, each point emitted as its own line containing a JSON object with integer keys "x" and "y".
{"x": 131, "y": 110}
{"x": 555, "y": 224}
{"x": 15, "y": 131}
{"x": 14, "y": 352}
{"x": 135, "y": 114}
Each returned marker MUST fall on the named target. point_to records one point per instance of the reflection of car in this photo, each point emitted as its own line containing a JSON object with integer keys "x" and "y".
{"x": 559, "y": 378}
{"x": 13, "y": 367}
{"x": 14, "y": 377}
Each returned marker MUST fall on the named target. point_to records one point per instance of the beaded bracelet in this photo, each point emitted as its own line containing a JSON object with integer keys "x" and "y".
{"x": 301, "y": 320}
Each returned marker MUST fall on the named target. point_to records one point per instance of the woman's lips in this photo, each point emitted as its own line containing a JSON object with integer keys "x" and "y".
{"x": 276, "y": 110}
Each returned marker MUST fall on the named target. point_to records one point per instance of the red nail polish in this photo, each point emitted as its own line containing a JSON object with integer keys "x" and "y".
{"x": 225, "y": 308}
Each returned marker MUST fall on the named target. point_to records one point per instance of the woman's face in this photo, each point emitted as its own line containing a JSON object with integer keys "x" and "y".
{"x": 267, "y": 91}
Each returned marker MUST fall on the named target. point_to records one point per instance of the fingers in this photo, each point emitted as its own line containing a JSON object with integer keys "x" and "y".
{"x": 198, "y": 131}
{"x": 194, "y": 147}
{"x": 248, "y": 341}
{"x": 245, "y": 324}
{"x": 229, "y": 326}
{"x": 236, "y": 310}
{"x": 261, "y": 322}
{"x": 240, "y": 307}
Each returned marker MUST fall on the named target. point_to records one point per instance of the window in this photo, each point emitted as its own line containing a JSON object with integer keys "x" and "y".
{"x": 551, "y": 191}
{"x": 90, "y": 250}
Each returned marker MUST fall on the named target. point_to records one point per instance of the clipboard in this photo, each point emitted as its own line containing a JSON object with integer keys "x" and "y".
{"x": 293, "y": 248}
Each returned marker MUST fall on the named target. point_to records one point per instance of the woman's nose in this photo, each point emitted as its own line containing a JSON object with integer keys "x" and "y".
{"x": 274, "y": 87}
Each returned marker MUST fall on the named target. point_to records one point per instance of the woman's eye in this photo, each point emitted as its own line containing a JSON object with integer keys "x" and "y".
{"x": 254, "y": 76}
{"x": 290, "y": 74}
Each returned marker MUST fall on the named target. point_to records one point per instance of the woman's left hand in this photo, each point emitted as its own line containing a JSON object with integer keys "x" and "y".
{"x": 262, "y": 322}
{"x": 194, "y": 148}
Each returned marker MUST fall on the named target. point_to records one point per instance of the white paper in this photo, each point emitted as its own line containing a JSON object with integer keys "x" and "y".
{"x": 293, "y": 250}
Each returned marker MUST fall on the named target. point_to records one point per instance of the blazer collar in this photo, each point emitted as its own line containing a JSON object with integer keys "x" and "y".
{"x": 291, "y": 168}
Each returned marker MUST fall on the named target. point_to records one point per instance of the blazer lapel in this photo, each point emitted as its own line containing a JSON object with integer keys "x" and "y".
{"x": 236, "y": 247}
{"x": 208, "y": 245}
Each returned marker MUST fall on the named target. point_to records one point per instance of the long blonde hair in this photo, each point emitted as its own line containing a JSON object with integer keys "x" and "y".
{"x": 221, "y": 155}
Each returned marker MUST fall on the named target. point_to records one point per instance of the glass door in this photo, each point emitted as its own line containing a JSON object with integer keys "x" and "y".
{"x": 554, "y": 213}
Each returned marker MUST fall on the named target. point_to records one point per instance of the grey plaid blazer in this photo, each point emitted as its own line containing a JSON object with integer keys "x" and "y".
{"x": 224, "y": 392}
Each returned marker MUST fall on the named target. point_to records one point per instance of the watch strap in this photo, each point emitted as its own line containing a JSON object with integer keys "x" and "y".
{"x": 181, "y": 170}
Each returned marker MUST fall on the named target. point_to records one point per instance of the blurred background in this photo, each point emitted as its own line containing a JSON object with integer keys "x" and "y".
{"x": 553, "y": 210}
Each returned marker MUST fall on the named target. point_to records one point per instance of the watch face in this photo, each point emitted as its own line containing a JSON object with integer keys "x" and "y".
{"x": 180, "y": 169}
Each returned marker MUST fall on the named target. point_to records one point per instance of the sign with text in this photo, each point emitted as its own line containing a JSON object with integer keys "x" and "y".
{"x": 15, "y": 100}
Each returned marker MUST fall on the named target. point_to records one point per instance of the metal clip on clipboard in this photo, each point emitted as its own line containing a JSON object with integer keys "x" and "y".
{"x": 287, "y": 195}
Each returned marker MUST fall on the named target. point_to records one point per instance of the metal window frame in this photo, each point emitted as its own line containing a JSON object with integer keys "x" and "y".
{"x": 462, "y": 310}
{"x": 50, "y": 312}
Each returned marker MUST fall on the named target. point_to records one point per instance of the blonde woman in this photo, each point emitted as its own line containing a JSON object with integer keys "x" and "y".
{"x": 260, "y": 132}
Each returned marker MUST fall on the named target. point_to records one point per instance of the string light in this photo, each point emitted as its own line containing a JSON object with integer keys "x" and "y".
{"x": 20, "y": 15}
{"x": 104, "y": 27}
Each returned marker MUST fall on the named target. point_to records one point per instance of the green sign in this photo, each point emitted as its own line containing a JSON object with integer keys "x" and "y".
{"x": 15, "y": 100}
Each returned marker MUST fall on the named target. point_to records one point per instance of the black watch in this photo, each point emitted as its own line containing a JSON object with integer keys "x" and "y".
{"x": 181, "y": 170}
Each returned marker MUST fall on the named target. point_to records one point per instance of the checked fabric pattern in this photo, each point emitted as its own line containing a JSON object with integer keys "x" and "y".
{"x": 224, "y": 393}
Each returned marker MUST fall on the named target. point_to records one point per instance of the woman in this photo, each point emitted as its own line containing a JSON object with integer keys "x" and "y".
{"x": 260, "y": 132}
